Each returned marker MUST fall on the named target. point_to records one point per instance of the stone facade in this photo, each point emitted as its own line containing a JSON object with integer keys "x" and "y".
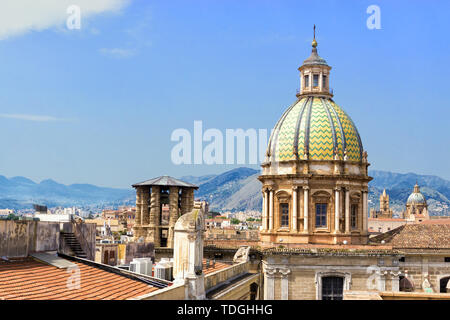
{"x": 385, "y": 212}
{"x": 151, "y": 225}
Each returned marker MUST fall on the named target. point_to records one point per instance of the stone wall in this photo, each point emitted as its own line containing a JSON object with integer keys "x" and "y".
{"x": 216, "y": 278}
{"x": 139, "y": 250}
{"x": 20, "y": 238}
{"x": 298, "y": 277}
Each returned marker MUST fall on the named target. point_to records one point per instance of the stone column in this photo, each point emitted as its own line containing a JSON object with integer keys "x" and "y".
{"x": 271, "y": 210}
{"x": 285, "y": 283}
{"x": 310, "y": 81}
{"x": 321, "y": 81}
{"x": 395, "y": 281}
{"x": 155, "y": 215}
{"x": 264, "y": 210}
{"x": 364, "y": 209}
{"x": 184, "y": 201}
{"x": 382, "y": 281}
{"x": 305, "y": 209}
{"x": 337, "y": 195}
{"x": 145, "y": 204}
{"x": 173, "y": 213}
{"x": 269, "y": 283}
{"x": 190, "y": 199}
{"x": 138, "y": 207}
{"x": 294, "y": 208}
{"x": 347, "y": 210}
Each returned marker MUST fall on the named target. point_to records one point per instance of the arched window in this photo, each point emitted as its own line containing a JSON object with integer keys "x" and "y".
{"x": 253, "y": 291}
{"x": 332, "y": 288}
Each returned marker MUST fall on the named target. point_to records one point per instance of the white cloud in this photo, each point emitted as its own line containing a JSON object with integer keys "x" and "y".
{"x": 18, "y": 17}
{"x": 118, "y": 52}
{"x": 31, "y": 117}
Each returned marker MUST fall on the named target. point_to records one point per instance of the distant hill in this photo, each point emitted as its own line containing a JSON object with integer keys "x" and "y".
{"x": 20, "y": 193}
{"x": 234, "y": 190}
{"x": 240, "y": 190}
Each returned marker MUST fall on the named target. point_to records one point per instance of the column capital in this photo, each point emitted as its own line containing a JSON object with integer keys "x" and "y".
{"x": 285, "y": 272}
{"x": 338, "y": 188}
{"x": 270, "y": 272}
{"x": 305, "y": 187}
{"x": 295, "y": 187}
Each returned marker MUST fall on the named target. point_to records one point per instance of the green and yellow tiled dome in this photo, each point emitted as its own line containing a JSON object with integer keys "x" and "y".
{"x": 318, "y": 126}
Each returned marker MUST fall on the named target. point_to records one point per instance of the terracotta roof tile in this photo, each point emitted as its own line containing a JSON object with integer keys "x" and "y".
{"x": 28, "y": 279}
{"x": 218, "y": 266}
{"x": 417, "y": 236}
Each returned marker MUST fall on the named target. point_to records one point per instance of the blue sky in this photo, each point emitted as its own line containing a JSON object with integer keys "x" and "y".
{"x": 98, "y": 105}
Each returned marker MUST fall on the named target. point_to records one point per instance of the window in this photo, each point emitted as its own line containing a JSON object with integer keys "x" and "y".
{"x": 353, "y": 216}
{"x": 306, "y": 81}
{"x": 284, "y": 209}
{"x": 324, "y": 81}
{"x": 316, "y": 80}
{"x": 321, "y": 214}
{"x": 447, "y": 259}
{"x": 253, "y": 291}
{"x": 332, "y": 288}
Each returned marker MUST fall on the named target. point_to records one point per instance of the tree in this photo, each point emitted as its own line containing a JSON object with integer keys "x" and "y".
{"x": 234, "y": 221}
{"x": 12, "y": 216}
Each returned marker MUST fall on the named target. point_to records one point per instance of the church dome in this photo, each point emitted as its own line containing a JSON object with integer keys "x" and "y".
{"x": 314, "y": 126}
{"x": 416, "y": 197}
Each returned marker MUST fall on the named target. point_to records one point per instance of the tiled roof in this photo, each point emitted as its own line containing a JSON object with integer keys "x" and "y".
{"x": 166, "y": 181}
{"x": 218, "y": 266}
{"x": 417, "y": 236}
{"x": 423, "y": 236}
{"x": 437, "y": 221}
{"x": 29, "y": 279}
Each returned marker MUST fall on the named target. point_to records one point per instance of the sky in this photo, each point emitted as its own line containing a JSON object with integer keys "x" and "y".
{"x": 98, "y": 104}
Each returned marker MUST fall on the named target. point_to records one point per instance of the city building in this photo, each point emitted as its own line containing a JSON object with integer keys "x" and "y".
{"x": 314, "y": 241}
{"x": 159, "y": 203}
{"x": 315, "y": 179}
{"x": 385, "y": 212}
{"x": 416, "y": 206}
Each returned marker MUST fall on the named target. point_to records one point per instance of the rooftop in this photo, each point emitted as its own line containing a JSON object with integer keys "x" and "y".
{"x": 165, "y": 181}
{"x": 31, "y": 279}
{"x": 417, "y": 236}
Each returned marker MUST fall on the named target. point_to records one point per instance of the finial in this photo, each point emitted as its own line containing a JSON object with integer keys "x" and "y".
{"x": 314, "y": 42}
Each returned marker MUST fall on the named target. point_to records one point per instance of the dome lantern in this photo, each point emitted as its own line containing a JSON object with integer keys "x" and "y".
{"x": 314, "y": 74}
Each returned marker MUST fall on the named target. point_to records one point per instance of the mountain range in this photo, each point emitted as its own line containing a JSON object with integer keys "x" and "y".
{"x": 21, "y": 193}
{"x": 234, "y": 190}
{"x": 240, "y": 190}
